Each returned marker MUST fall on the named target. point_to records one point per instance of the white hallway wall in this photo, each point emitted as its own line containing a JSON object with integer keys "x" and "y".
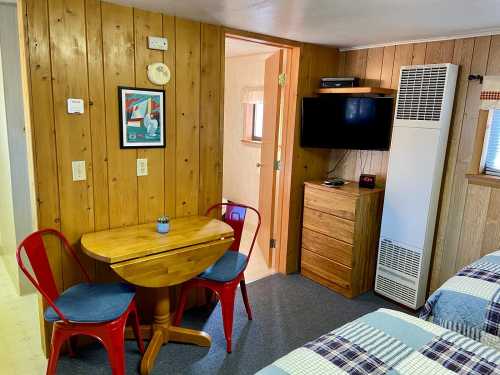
{"x": 7, "y": 227}
{"x": 15, "y": 205}
{"x": 241, "y": 175}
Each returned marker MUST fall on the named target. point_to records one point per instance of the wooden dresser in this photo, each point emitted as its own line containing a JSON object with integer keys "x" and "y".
{"x": 340, "y": 234}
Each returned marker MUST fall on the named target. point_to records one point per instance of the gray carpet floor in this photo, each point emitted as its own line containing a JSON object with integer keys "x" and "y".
{"x": 288, "y": 311}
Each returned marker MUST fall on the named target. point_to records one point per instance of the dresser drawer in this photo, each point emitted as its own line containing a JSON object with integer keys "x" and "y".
{"x": 331, "y": 225}
{"x": 336, "y": 204}
{"x": 326, "y": 268}
{"x": 328, "y": 247}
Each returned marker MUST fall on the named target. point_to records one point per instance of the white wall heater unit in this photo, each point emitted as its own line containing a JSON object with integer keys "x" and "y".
{"x": 418, "y": 147}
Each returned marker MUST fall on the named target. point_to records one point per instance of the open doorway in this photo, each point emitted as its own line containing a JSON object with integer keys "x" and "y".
{"x": 253, "y": 117}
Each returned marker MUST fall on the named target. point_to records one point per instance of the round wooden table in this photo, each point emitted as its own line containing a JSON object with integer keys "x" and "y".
{"x": 143, "y": 257}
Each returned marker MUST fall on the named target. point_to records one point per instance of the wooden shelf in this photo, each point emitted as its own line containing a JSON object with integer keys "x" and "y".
{"x": 357, "y": 90}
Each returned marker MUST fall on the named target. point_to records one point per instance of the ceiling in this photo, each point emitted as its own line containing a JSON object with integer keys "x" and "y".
{"x": 341, "y": 23}
{"x": 238, "y": 47}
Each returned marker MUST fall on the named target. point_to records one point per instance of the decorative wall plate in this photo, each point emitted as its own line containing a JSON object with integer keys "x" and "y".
{"x": 158, "y": 73}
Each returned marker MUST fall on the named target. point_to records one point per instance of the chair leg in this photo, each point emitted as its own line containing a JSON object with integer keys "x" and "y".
{"x": 179, "y": 312}
{"x": 244, "y": 293}
{"x": 114, "y": 342}
{"x": 58, "y": 339}
{"x": 137, "y": 328}
{"x": 227, "y": 296}
{"x": 211, "y": 298}
{"x": 71, "y": 347}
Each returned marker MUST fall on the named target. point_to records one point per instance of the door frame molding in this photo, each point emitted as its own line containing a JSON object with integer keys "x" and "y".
{"x": 284, "y": 190}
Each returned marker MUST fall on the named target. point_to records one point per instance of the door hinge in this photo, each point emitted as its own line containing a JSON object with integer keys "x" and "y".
{"x": 282, "y": 79}
{"x": 277, "y": 165}
{"x": 272, "y": 243}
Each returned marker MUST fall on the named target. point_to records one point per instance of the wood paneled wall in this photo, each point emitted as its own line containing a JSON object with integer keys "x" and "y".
{"x": 86, "y": 49}
{"x": 469, "y": 215}
{"x": 306, "y": 164}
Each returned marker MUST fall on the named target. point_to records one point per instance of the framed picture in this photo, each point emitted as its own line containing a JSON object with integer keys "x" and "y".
{"x": 142, "y": 117}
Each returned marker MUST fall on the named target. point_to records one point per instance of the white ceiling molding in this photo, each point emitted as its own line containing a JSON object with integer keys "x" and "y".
{"x": 340, "y": 23}
{"x": 427, "y": 40}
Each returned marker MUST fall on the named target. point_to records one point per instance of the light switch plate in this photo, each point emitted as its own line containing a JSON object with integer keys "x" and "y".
{"x": 76, "y": 106}
{"x": 142, "y": 167}
{"x": 79, "y": 172}
{"x": 157, "y": 42}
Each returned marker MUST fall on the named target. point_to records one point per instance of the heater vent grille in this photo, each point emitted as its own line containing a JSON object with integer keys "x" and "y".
{"x": 421, "y": 90}
{"x": 396, "y": 290}
{"x": 399, "y": 258}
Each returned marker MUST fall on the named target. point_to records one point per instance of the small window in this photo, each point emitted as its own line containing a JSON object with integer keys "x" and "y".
{"x": 258, "y": 121}
{"x": 253, "y": 121}
{"x": 492, "y": 145}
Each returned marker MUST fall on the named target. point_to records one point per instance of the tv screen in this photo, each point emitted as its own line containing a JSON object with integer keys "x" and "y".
{"x": 347, "y": 122}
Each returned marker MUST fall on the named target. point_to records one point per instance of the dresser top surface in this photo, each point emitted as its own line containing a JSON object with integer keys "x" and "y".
{"x": 350, "y": 188}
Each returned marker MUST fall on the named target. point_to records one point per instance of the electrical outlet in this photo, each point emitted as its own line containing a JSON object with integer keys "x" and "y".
{"x": 79, "y": 172}
{"x": 157, "y": 42}
{"x": 142, "y": 167}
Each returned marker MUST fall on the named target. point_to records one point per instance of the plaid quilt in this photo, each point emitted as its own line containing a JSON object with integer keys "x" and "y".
{"x": 347, "y": 356}
{"x": 469, "y": 302}
{"x": 389, "y": 342}
{"x": 457, "y": 359}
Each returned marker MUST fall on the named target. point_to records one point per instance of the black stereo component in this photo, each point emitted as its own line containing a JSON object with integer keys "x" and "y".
{"x": 336, "y": 82}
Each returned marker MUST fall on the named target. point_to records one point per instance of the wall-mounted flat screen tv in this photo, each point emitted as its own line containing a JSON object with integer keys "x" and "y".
{"x": 347, "y": 122}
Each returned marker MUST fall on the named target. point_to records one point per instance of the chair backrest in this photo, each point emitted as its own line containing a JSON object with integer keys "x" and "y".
{"x": 36, "y": 252}
{"x": 235, "y": 216}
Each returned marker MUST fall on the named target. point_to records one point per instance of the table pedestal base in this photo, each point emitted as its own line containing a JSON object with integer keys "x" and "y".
{"x": 162, "y": 332}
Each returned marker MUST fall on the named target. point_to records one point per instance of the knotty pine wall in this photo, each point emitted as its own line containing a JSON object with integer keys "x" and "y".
{"x": 85, "y": 49}
{"x": 307, "y": 163}
{"x": 469, "y": 215}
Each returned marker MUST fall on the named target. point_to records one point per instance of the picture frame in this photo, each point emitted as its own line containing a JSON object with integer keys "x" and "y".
{"x": 142, "y": 117}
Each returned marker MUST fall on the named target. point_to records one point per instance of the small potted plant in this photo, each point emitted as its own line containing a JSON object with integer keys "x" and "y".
{"x": 163, "y": 224}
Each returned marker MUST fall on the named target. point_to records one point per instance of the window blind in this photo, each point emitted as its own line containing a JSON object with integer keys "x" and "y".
{"x": 252, "y": 95}
{"x": 492, "y": 162}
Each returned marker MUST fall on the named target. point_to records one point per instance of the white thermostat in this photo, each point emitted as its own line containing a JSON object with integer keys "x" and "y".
{"x": 75, "y": 105}
{"x": 157, "y": 42}
{"x": 158, "y": 73}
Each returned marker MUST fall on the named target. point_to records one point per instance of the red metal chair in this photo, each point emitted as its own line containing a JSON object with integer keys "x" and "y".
{"x": 224, "y": 276}
{"x": 97, "y": 310}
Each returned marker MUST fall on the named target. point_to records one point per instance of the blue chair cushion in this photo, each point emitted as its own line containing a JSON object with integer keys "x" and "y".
{"x": 226, "y": 268}
{"x": 92, "y": 303}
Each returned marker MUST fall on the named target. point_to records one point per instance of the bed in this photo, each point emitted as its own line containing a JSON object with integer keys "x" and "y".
{"x": 469, "y": 302}
{"x": 389, "y": 342}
